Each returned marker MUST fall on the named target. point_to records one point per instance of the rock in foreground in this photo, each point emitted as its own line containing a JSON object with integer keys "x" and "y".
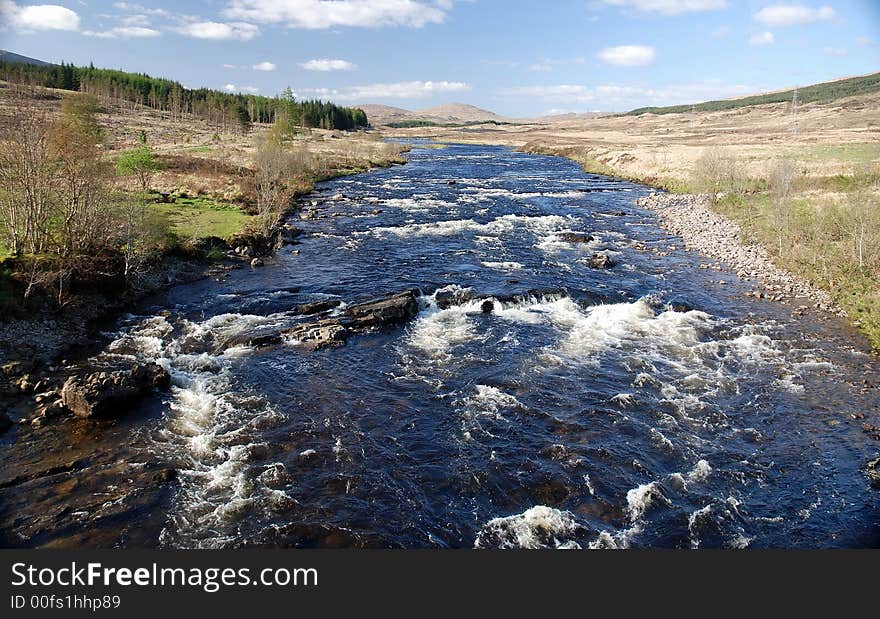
{"x": 104, "y": 393}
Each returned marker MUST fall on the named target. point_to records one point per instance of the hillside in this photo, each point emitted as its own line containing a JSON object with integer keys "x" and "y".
{"x": 6, "y": 56}
{"x": 815, "y": 93}
{"x": 224, "y": 109}
{"x": 451, "y": 113}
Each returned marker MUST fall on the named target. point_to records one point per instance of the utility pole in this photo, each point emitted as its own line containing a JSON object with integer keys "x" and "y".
{"x": 693, "y": 116}
{"x": 794, "y": 112}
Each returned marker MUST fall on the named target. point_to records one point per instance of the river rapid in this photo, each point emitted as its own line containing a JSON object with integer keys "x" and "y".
{"x": 650, "y": 404}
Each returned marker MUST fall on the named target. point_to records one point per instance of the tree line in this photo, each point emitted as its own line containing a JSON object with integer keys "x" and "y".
{"x": 224, "y": 110}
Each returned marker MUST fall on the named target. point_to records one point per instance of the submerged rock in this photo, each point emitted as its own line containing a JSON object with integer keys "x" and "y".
{"x": 103, "y": 393}
{"x": 575, "y": 237}
{"x": 289, "y": 235}
{"x": 601, "y": 260}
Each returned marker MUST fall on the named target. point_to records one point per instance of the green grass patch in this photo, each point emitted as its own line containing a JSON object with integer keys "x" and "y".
{"x": 858, "y": 153}
{"x": 193, "y": 218}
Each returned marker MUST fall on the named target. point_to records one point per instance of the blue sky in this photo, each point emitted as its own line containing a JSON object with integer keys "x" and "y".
{"x": 519, "y": 58}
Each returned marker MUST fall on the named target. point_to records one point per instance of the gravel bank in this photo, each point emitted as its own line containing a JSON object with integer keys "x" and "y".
{"x": 716, "y": 236}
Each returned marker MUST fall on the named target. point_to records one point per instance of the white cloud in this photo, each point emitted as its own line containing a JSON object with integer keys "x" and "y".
{"x": 234, "y": 88}
{"x": 124, "y": 32}
{"x": 866, "y": 42}
{"x": 669, "y": 7}
{"x": 319, "y": 14}
{"x": 328, "y": 64}
{"x": 229, "y": 66}
{"x": 628, "y": 55}
{"x": 38, "y": 16}
{"x": 762, "y": 38}
{"x": 139, "y": 8}
{"x": 264, "y": 66}
{"x": 793, "y": 15}
{"x": 399, "y": 90}
{"x": 835, "y": 51}
{"x": 219, "y": 31}
{"x": 617, "y": 97}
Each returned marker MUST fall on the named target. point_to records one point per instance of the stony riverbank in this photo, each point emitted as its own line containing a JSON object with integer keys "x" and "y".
{"x": 716, "y": 236}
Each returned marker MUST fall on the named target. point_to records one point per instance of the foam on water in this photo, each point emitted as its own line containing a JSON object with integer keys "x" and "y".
{"x": 537, "y": 527}
{"x": 211, "y": 426}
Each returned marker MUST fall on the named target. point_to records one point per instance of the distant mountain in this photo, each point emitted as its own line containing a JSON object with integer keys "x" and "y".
{"x": 451, "y": 113}
{"x": 384, "y": 114}
{"x": 458, "y": 112}
{"x": 12, "y": 57}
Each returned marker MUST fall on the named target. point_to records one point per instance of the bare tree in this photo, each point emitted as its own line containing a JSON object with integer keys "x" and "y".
{"x": 781, "y": 181}
{"x": 717, "y": 173}
{"x": 27, "y": 182}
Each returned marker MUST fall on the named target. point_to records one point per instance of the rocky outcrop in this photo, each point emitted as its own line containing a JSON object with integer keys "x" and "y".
{"x": 315, "y": 335}
{"x": 105, "y": 393}
{"x": 330, "y": 330}
{"x": 390, "y": 310}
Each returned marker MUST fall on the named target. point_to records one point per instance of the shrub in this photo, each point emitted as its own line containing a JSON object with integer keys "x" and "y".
{"x": 139, "y": 162}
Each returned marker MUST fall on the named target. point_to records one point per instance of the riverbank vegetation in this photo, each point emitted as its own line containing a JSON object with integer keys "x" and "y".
{"x": 825, "y": 228}
{"x": 94, "y": 199}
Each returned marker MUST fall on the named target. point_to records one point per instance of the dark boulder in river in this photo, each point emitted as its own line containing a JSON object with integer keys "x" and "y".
{"x": 392, "y": 309}
{"x": 447, "y": 297}
{"x": 601, "y": 260}
{"x": 575, "y": 237}
{"x": 102, "y": 393}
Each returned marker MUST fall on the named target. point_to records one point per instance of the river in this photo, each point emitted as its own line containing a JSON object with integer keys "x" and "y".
{"x": 650, "y": 404}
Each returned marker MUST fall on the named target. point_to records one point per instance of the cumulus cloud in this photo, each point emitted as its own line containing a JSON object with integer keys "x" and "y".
{"x": 762, "y": 38}
{"x": 38, "y": 16}
{"x": 320, "y": 14}
{"x": 240, "y": 31}
{"x": 123, "y": 32}
{"x": 264, "y": 66}
{"x": 628, "y": 55}
{"x": 617, "y": 97}
{"x": 669, "y": 7}
{"x": 794, "y": 15}
{"x": 398, "y": 90}
{"x": 328, "y": 64}
{"x": 234, "y": 88}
